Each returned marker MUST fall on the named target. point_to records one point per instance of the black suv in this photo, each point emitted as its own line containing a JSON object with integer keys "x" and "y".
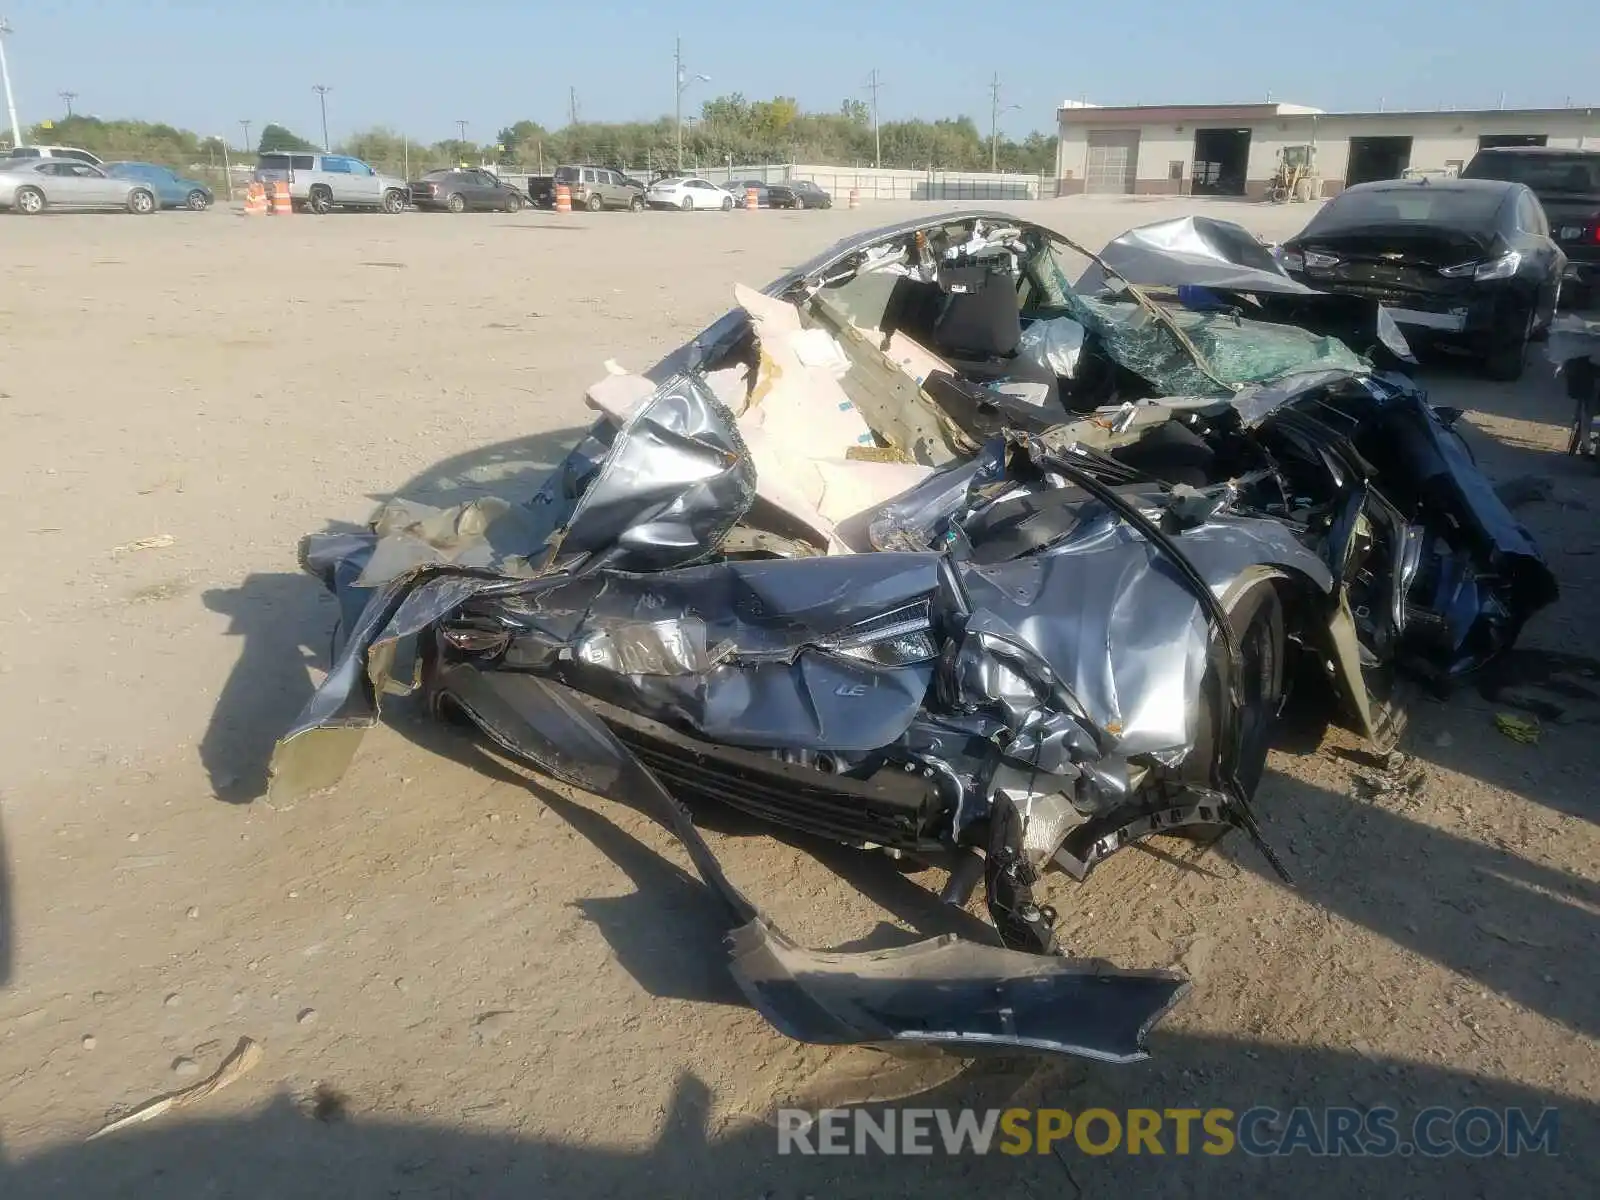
{"x": 1567, "y": 183}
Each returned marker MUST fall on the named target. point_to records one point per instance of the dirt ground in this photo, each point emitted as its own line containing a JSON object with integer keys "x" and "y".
{"x": 467, "y": 983}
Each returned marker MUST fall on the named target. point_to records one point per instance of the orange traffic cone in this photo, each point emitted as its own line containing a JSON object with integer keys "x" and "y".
{"x": 752, "y": 199}
{"x": 563, "y": 198}
{"x": 282, "y": 206}
{"x": 255, "y": 200}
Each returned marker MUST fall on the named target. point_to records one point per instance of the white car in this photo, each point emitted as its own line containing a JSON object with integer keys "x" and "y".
{"x": 688, "y": 194}
{"x": 55, "y": 152}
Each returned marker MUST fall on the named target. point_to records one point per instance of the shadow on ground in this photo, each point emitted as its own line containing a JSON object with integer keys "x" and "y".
{"x": 281, "y": 1151}
{"x": 7, "y": 952}
{"x": 285, "y": 622}
{"x": 1523, "y": 930}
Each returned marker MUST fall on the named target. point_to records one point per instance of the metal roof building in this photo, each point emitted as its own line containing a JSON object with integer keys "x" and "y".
{"x": 1237, "y": 149}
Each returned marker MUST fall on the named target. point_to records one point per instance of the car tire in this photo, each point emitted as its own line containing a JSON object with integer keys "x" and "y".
{"x": 1257, "y": 620}
{"x": 141, "y": 202}
{"x": 1507, "y": 361}
{"x": 394, "y": 202}
{"x": 637, "y": 204}
{"x": 513, "y": 203}
{"x": 29, "y": 201}
{"x": 197, "y": 201}
{"x": 687, "y": 204}
{"x": 319, "y": 201}
{"x": 595, "y": 202}
{"x": 456, "y": 202}
{"x": 727, "y": 204}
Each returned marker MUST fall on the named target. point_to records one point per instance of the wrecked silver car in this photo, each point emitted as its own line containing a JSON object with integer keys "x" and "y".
{"x": 926, "y": 548}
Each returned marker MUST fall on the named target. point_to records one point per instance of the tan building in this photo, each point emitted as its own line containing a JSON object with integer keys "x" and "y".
{"x": 1237, "y": 149}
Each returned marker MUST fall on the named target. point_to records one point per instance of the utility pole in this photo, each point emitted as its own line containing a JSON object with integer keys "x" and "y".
{"x": 461, "y": 127}
{"x": 69, "y": 97}
{"x": 246, "y": 125}
{"x": 322, "y": 90}
{"x": 682, "y": 81}
{"x": 994, "y": 122}
{"x": 5, "y": 73}
{"x": 873, "y": 84}
{"x": 572, "y": 106}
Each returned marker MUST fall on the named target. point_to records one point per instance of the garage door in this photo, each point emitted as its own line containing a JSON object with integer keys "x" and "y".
{"x": 1113, "y": 159}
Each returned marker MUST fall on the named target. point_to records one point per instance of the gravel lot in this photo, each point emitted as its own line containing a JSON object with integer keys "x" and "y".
{"x": 465, "y": 982}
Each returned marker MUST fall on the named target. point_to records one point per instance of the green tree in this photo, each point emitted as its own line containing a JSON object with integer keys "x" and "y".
{"x": 276, "y": 137}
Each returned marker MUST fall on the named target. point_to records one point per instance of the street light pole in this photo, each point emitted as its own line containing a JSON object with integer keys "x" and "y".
{"x": 873, "y": 84}
{"x": 322, "y": 90}
{"x": 994, "y": 122}
{"x": 5, "y": 73}
{"x": 682, "y": 82}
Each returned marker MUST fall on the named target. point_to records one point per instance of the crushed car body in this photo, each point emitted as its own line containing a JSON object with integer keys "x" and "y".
{"x": 926, "y": 548}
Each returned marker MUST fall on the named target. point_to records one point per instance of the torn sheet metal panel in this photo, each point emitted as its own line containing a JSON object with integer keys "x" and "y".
{"x": 947, "y": 993}
{"x": 1193, "y": 252}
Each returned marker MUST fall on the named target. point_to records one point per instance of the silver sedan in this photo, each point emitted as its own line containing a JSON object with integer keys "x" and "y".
{"x": 32, "y": 185}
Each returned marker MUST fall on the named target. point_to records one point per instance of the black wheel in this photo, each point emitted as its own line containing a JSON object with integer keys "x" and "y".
{"x": 394, "y": 202}
{"x": 513, "y": 203}
{"x": 595, "y": 203}
{"x": 319, "y": 201}
{"x": 197, "y": 201}
{"x": 141, "y": 203}
{"x": 29, "y": 201}
{"x": 1506, "y": 362}
{"x": 727, "y": 204}
{"x": 687, "y": 203}
{"x": 1258, "y": 625}
{"x": 456, "y": 202}
{"x": 636, "y": 204}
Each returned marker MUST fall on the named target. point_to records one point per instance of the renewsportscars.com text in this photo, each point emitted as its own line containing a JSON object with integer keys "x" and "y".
{"x": 1258, "y": 1131}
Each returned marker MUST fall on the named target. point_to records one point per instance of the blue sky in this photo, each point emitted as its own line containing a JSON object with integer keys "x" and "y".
{"x": 419, "y": 67}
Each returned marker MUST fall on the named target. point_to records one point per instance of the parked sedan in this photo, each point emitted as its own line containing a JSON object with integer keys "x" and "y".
{"x": 458, "y": 189}
{"x": 763, "y": 194}
{"x": 32, "y": 185}
{"x": 797, "y": 194}
{"x": 1464, "y": 261}
{"x": 172, "y": 190}
{"x": 688, "y": 194}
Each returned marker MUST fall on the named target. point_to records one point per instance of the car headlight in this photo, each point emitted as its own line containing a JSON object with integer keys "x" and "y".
{"x": 1291, "y": 260}
{"x": 1503, "y": 267}
{"x": 893, "y": 639}
{"x": 1320, "y": 262}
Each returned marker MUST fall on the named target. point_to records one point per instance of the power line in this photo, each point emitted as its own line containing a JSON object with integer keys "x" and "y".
{"x": 682, "y": 82}
{"x": 994, "y": 122}
{"x": 873, "y": 84}
{"x": 322, "y": 90}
